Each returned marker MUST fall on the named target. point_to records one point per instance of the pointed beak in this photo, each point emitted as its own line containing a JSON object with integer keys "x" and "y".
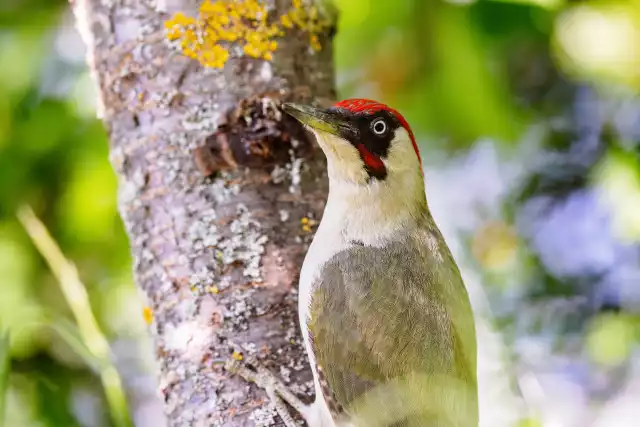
{"x": 321, "y": 120}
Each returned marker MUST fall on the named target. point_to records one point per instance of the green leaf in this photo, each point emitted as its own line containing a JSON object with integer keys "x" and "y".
{"x": 5, "y": 367}
{"x": 610, "y": 339}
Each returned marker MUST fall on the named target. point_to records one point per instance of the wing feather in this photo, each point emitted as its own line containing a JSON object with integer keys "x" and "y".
{"x": 382, "y": 316}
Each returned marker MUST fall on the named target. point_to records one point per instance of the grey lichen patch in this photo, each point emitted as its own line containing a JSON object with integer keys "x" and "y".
{"x": 204, "y": 116}
{"x": 190, "y": 339}
{"x": 203, "y": 232}
{"x": 130, "y": 190}
{"x": 186, "y": 345}
{"x": 239, "y": 309}
{"x": 147, "y": 28}
{"x": 306, "y": 388}
{"x": 224, "y": 187}
{"x": 203, "y": 281}
{"x": 194, "y": 387}
{"x": 246, "y": 245}
{"x": 174, "y": 45}
{"x": 171, "y": 167}
{"x": 278, "y": 175}
{"x": 294, "y": 168}
{"x": 168, "y": 6}
{"x": 284, "y": 215}
{"x": 285, "y": 374}
{"x": 265, "y": 416}
{"x": 250, "y": 348}
{"x": 203, "y": 236}
{"x": 292, "y": 336}
{"x": 291, "y": 173}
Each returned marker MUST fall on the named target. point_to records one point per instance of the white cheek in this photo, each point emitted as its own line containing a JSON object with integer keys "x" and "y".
{"x": 343, "y": 160}
{"x": 402, "y": 156}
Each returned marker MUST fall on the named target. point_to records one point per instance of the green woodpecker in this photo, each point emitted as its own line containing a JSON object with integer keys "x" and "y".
{"x": 384, "y": 313}
{"x": 385, "y": 316}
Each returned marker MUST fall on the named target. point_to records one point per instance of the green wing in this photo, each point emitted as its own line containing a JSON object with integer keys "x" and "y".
{"x": 393, "y": 336}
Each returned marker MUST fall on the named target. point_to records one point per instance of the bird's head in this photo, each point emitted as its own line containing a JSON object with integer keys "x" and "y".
{"x": 366, "y": 142}
{"x": 376, "y": 184}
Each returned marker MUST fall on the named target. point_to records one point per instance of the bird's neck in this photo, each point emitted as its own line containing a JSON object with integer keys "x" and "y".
{"x": 375, "y": 213}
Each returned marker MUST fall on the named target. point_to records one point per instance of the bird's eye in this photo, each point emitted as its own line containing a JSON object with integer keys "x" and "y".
{"x": 379, "y": 127}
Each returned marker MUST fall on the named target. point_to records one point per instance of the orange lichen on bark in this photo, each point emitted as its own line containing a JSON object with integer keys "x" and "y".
{"x": 307, "y": 223}
{"x": 308, "y": 19}
{"x": 147, "y": 315}
{"x": 222, "y": 23}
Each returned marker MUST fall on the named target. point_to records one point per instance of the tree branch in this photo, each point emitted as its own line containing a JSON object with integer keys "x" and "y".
{"x": 214, "y": 182}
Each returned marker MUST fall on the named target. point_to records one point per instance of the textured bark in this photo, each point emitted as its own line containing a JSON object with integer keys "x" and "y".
{"x": 214, "y": 182}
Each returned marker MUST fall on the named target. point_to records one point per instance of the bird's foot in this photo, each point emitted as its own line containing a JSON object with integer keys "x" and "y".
{"x": 274, "y": 388}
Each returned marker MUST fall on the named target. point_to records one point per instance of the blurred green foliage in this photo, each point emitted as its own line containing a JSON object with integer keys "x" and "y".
{"x": 5, "y": 367}
{"x": 458, "y": 71}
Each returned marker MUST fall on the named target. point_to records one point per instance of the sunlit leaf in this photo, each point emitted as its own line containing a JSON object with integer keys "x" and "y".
{"x": 610, "y": 339}
{"x": 89, "y": 202}
{"x": 600, "y": 41}
{"x": 618, "y": 178}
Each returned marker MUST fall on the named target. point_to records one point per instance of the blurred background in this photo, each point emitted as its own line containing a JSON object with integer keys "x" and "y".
{"x": 528, "y": 118}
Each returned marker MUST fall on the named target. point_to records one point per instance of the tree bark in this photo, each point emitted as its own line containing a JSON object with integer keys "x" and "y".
{"x": 214, "y": 184}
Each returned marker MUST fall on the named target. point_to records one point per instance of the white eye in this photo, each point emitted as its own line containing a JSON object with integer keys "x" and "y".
{"x": 379, "y": 127}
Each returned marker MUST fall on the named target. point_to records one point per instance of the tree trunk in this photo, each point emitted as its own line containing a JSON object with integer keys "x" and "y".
{"x": 215, "y": 186}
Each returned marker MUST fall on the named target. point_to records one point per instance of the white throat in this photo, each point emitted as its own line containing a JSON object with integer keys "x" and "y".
{"x": 369, "y": 214}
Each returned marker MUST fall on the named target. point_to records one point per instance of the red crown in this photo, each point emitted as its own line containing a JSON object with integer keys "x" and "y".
{"x": 368, "y": 106}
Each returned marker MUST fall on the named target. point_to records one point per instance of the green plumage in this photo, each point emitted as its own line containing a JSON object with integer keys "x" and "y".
{"x": 393, "y": 333}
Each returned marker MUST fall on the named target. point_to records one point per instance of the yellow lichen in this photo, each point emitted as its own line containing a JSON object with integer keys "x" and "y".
{"x": 308, "y": 19}
{"x": 147, "y": 315}
{"x": 307, "y": 223}
{"x": 220, "y": 23}
{"x": 237, "y": 356}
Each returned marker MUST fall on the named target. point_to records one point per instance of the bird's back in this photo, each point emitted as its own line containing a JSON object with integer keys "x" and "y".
{"x": 393, "y": 335}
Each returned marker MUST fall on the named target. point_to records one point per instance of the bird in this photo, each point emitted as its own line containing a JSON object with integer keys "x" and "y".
{"x": 386, "y": 319}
